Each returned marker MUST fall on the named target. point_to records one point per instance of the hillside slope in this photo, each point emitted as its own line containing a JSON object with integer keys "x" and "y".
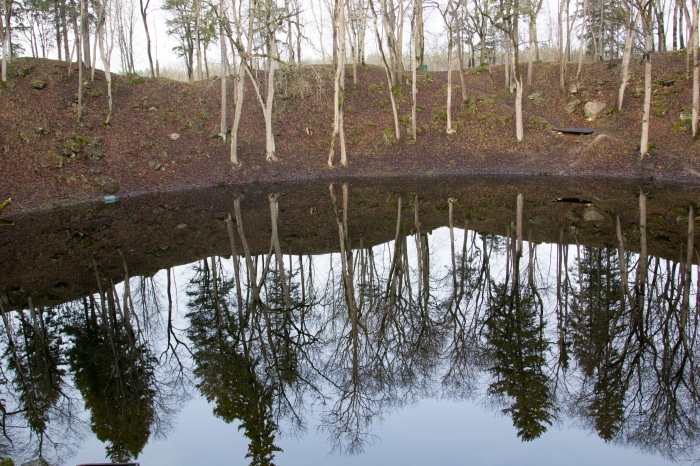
{"x": 49, "y": 158}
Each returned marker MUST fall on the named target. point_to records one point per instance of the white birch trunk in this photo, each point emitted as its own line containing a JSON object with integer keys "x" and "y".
{"x": 5, "y": 40}
{"x": 197, "y": 22}
{"x": 223, "y": 126}
{"x": 414, "y": 64}
{"x": 583, "y": 35}
{"x": 626, "y": 61}
{"x": 240, "y": 90}
{"x": 106, "y": 55}
{"x": 80, "y": 62}
{"x": 339, "y": 91}
{"x": 696, "y": 71}
{"x": 519, "y": 132}
{"x": 448, "y": 128}
{"x": 269, "y": 135}
{"x": 644, "y": 142}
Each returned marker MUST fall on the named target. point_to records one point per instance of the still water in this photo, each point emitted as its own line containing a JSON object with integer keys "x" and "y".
{"x": 462, "y": 321}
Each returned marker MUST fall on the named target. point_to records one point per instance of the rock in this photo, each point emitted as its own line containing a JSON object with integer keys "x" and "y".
{"x": 572, "y": 106}
{"x": 106, "y": 184}
{"x": 573, "y": 90}
{"x": 592, "y": 109}
{"x": 38, "y": 84}
{"x": 181, "y": 226}
{"x": 591, "y": 214}
{"x": 686, "y": 114}
{"x": 174, "y": 136}
{"x": 536, "y": 98}
{"x": 152, "y": 109}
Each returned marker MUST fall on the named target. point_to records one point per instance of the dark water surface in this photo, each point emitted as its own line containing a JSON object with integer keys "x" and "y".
{"x": 444, "y": 320}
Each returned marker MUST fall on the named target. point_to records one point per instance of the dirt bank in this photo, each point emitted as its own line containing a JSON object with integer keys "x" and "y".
{"x": 48, "y": 158}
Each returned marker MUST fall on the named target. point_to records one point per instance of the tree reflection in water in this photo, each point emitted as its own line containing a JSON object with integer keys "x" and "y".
{"x": 608, "y": 337}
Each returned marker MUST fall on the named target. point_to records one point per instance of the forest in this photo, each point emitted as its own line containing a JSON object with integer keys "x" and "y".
{"x": 256, "y": 37}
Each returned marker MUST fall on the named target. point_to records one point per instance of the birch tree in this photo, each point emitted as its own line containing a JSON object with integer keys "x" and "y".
{"x": 105, "y": 39}
{"x": 143, "y": 4}
{"x": 645, "y": 10}
{"x": 506, "y": 19}
{"x": 243, "y": 53}
{"x": 339, "y": 87}
{"x": 390, "y": 76}
{"x": 6, "y": 31}
{"x": 696, "y": 70}
{"x": 449, "y": 15}
{"x": 631, "y": 26}
{"x": 223, "y": 124}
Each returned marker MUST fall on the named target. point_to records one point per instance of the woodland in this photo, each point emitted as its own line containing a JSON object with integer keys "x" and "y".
{"x": 262, "y": 36}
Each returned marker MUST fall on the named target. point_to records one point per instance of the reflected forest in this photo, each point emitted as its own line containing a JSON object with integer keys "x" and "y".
{"x": 600, "y": 336}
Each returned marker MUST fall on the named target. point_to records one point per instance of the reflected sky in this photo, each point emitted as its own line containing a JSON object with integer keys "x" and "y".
{"x": 436, "y": 344}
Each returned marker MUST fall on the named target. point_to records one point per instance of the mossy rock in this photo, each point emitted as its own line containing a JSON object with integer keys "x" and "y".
{"x": 38, "y": 84}
{"x": 106, "y": 184}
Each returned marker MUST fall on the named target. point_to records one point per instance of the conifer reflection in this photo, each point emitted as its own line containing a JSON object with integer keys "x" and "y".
{"x": 516, "y": 343}
{"x": 608, "y": 337}
{"x": 115, "y": 373}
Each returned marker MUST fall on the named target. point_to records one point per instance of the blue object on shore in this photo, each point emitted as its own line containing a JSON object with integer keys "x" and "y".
{"x": 110, "y": 199}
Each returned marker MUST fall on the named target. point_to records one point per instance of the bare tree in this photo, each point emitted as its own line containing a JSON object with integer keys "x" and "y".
{"x": 449, "y": 17}
{"x": 624, "y": 72}
{"x": 645, "y": 10}
{"x": 696, "y": 70}
{"x": 5, "y": 33}
{"x": 390, "y": 75}
{"x": 105, "y": 32}
{"x": 143, "y": 4}
{"x": 223, "y": 125}
{"x": 339, "y": 87}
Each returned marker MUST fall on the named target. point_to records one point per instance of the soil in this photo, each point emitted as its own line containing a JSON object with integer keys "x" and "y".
{"x": 50, "y": 158}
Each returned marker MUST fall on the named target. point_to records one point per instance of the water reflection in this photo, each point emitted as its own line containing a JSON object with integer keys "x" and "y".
{"x": 591, "y": 334}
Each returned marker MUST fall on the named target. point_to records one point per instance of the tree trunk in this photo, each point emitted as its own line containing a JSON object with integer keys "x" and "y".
{"x": 419, "y": 35}
{"x": 582, "y": 38}
{"x": 562, "y": 54}
{"x": 659, "y": 14}
{"x": 532, "y": 36}
{"x": 6, "y": 38}
{"x": 144, "y": 14}
{"x": 106, "y": 55}
{"x": 223, "y": 125}
{"x": 269, "y": 135}
{"x": 417, "y": 13}
{"x": 198, "y": 43}
{"x": 339, "y": 88}
{"x": 460, "y": 52}
{"x": 631, "y": 26}
{"x": 240, "y": 90}
{"x": 387, "y": 70}
{"x": 648, "y": 45}
{"x": 696, "y": 71}
{"x": 80, "y": 62}
{"x": 85, "y": 35}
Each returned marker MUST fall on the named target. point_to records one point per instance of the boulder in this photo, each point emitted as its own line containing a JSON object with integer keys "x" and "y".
{"x": 592, "y": 109}
{"x": 536, "y": 98}
{"x": 174, "y": 136}
{"x": 572, "y": 106}
{"x": 106, "y": 184}
{"x": 591, "y": 214}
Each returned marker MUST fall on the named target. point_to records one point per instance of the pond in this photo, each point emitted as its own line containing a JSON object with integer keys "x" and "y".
{"x": 412, "y": 321}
